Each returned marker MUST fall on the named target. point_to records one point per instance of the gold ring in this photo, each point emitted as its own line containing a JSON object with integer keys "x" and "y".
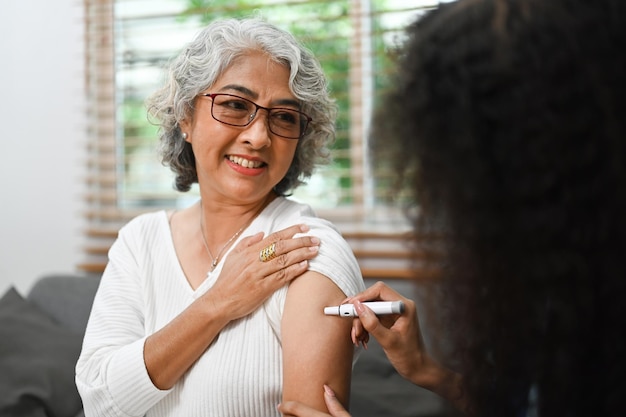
{"x": 268, "y": 253}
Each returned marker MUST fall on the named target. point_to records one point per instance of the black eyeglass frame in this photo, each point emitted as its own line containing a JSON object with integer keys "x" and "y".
{"x": 305, "y": 120}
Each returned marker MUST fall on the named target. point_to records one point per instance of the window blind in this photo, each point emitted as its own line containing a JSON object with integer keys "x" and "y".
{"x": 130, "y": 41}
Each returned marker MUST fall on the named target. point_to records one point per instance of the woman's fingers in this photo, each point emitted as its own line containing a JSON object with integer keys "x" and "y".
{"x": 276, "y": 237}
{"x": 385, "y": 329}
{"x": 335, "y": 407}
{"x": 283, "y": 253}
{"x": 370, "y": 321}
{"x": 297, "y": 409}
{"x": 250, "y": 240}
{"x": 281, "y": 250}
{"x": 287, "y": 233}
{"x": 282, "y": 276}
{"x": 279, "y": 255}
{"x": 258, "y": 266}
{"x": 399, "y": 335}
{"x": 379, "y": 291}
{"x": 359, "y": 334}
{"x": 283, "y": 241}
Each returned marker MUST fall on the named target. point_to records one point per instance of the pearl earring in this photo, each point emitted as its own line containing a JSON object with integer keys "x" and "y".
{"x": 184, "y": 136}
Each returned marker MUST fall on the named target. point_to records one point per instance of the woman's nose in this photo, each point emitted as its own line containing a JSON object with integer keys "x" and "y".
{"x": 257, "y": 133}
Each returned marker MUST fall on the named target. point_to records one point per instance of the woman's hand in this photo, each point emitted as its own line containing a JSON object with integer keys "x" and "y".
{"x": 296, "y": 409}
{"x": 244, "y": 284}
{"x": 400, "y": 337}
{"x": 398, "y": 334}
{"x": 246, "y": 281}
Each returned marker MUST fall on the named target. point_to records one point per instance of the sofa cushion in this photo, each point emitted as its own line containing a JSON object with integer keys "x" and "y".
{"x": 37, "y": 362}
{"x": 66, "y": 298}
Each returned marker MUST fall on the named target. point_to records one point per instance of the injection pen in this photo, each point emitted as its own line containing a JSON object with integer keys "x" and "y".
{"x": 378, "y": 307}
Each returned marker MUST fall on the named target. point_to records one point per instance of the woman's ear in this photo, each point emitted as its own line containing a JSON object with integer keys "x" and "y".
{"x": 184, "y": 128}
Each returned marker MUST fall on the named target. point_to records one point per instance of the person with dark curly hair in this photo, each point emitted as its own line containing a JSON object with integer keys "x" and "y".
{"x": 509, "y": 122}
{"x": 202, "y": 311}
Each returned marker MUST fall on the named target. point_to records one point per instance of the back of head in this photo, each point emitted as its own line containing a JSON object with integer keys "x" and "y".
{"x": 510, "y": 115}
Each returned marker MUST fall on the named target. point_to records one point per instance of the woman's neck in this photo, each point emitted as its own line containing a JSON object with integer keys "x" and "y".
{"x": 221, "y": 221}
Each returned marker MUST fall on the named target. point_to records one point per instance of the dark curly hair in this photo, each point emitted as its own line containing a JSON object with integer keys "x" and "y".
{"x": 509, "y": 125}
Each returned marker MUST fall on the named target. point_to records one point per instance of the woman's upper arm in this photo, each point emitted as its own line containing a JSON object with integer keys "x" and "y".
{"x": 317, "y": 349}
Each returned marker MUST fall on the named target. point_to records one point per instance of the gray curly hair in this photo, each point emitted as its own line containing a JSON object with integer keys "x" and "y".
{"x": 203, "y": 60}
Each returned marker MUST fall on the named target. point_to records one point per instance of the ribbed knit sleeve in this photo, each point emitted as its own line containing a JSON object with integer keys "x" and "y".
{"x": 110, "y": 374}
{"x": 335, "y": 259}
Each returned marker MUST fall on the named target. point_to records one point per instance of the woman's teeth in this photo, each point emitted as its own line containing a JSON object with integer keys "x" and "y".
{"x": 245, "y": 162}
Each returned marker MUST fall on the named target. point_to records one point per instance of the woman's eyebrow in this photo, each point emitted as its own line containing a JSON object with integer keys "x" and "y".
{"x": 252, "y": 95}
{"x": 289, "y": 102}
{"x": 240, "y": 89}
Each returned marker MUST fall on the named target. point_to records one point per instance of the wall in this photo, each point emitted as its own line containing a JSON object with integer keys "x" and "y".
{"x": 43, "y": 145}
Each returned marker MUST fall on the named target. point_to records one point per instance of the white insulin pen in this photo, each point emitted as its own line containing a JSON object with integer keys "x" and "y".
{"x": 378, "y": 307}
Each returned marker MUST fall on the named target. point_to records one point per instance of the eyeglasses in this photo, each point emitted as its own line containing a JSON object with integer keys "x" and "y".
{"x": 238, "y": 111}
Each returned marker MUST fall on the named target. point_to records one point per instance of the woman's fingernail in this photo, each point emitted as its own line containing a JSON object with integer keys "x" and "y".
{"x": 303, "y": 263}
{"x": 315, "y": 240}
{"x": 358, "y": 307}
{"x": 304, "y": 228}
{"x": 314, "y": 248}
{"x": 329, "y": 391}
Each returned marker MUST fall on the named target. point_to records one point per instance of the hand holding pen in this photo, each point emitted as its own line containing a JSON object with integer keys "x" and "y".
{"x": 398, "y": 334}
{"x": 401, "y": 338}
{"x": 396, "y": 328}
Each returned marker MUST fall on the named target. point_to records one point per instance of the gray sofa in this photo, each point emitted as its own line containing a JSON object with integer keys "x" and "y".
{"x": 41, "y": 335}
{"x": 40, "y": 339}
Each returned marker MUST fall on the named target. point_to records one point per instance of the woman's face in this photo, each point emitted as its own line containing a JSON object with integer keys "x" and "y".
{"x": 242, "y": 164}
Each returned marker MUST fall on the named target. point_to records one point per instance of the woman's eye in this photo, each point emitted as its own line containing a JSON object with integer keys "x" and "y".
{"x": 236, "y": 104}
{"x": 285, "y": 117}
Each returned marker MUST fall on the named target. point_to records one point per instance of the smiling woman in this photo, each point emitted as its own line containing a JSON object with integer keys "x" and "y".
{"x": 213, "y": 301}
{"x": 129, "y": 41}
{"x": 218, "y": 146}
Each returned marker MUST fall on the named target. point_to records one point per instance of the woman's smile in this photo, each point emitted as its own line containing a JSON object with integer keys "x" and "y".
{"x": 246, "y": 165}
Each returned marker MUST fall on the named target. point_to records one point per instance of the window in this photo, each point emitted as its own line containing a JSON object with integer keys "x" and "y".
{"x": 128, "y": 43}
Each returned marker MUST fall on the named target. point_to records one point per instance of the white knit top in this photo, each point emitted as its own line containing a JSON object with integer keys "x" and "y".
{"x": 143, "y": 288}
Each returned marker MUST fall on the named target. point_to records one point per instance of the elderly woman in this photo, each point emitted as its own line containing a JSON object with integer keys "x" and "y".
{"x": 217, "y": 309}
